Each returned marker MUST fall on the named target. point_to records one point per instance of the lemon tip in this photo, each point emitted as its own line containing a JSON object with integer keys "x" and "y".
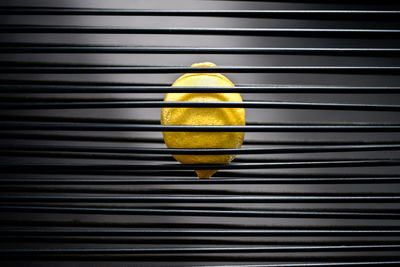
{"x": 205, "y": 174}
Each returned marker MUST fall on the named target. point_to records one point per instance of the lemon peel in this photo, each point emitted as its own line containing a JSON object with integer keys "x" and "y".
{"x": 203, "y": 116}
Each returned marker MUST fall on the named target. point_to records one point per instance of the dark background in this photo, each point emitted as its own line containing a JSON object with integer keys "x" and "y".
{"x": 263, "y": 116}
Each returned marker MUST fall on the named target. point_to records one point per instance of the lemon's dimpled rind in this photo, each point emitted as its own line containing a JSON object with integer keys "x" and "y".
{"x": 203, "y": 116}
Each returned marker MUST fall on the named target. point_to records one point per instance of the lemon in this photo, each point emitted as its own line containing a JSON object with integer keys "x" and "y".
{"x": 203, "y": 116}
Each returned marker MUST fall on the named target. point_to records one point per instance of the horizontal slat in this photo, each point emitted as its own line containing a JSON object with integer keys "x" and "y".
{"x": 229, "y": 174}
{"x": 38, "y": 48}
{"x": 68, "y": 82}
{"x": 222, "y": 213}
{"x": 113, "y": 120}
{"x": 68, "y": 167}
{"x": 191, "y": 232}
{"x": 46, "y": 68}
{"x": 124, "y": 139}
{"x": 199, "y": 250}
{"x": 225, "y": 225}
{"x": 290, "y": 32}
{"x": 56, "y": 89}
{"x": 286, "y": 14}
{"x": 216, "y": 180}
{"x": 199, "y": 151}
{"x": 387, "y": 3}
{"x": 319, "y": 264}
{"x": 197, "y": 128}
{"x": 46, "y": 118}
{"x": 216, "y": 104}
{"x": 166, "y": 258}
{"x": 67, "y": 99}
{"x": 77, "y": 137}
{"x": 153, "y": 158}
{"x": 387, "y": 215}
{"x": 140, "y": 191}
{"x": 182, "y": 241}
{"x": 204, "y": 199}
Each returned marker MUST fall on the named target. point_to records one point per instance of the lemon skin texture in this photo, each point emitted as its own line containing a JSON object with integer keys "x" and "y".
{"x": 203, "y": 116}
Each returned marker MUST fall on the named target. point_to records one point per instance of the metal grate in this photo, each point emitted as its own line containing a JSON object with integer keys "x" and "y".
{"x": 86, "y": 176}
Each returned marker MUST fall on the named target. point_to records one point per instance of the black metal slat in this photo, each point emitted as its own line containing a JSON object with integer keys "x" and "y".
{"x": 253, "y": 177}
{"x": 201, "y": 199}
{"x": 218, "y": 258}
{"x": 287, "y": 14}
{"x": 56, "y": 88}
{"x": 199, "y": 151}
{"x": 84, "y": 69}
{"x": 306, "y": 179}
{"x": 197, "y": 128}
{"x": 156, "y": 104}
{"x": 109, "y": 240}
{"x": 88, "y": 224}
{"x": 153, "y": 158}
{"x": 312, "y": 213}
{"x": 132, "y": 251}
{"x": 192, "y": 232}
{"x": 291, "y": 32}
{"x": 84, "y": 119}
{"x": 385, "y": 3}
{"x": 127, "y": 139}
{"x": 127, "y": 191}
{"x": 43, "y": 168}
{"x": 60, "y": 81}
{"x": 329, "y": 264}
{"x": 16, "y": 189}
{"x": 35, "y": 48}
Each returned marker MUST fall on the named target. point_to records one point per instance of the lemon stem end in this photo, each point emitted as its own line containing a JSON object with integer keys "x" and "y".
{"x": 205, "y": 174}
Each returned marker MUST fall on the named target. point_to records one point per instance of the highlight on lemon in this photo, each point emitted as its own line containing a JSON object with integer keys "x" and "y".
{"x": 203, "y": 116}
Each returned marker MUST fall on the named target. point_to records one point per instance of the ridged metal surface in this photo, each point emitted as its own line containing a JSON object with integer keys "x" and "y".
{"x": 86, "y": 178}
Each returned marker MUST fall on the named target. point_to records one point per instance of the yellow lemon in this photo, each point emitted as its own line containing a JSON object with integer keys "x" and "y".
{"x": 203, "y": 116}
